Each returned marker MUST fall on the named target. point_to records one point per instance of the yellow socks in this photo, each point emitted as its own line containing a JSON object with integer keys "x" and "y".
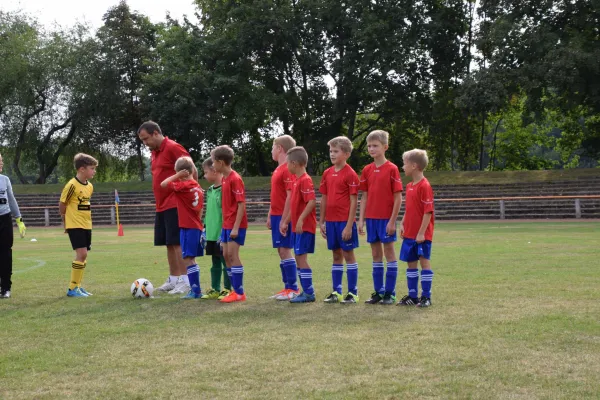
{"x": 77, "y": 269}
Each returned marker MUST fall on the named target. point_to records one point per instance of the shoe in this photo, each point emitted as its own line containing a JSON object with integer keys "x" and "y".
{"x": 303, "y": 298}
{"x": 375, "y": 298}
{"x": 278, "y": 294}
{"x": 334, "y": 297}
{"x": 408, "y": 301}
{"x": 388, "y": 299}
{"x": 212, "y": 294}
{"x": 424, "y": 302}
{"x": 234, "y": 297}
{"x": 85, "y": 291}
{"x": 224, "y": 293}
{"x": 287, "y": 295}
{"x": 5, "y": 294}
{"x": 181, "y": 287}
{"x": 76, "y": 293}
{"x": 192, "y": 295}
{"x": 168, "y": 285}
{"x": 350, "y": 298}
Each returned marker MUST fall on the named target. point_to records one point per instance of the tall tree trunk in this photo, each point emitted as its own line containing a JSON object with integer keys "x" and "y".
{"x": 483, "y": 115}
{"x": 54, "y": 160}
{"x": 141, "y": 164}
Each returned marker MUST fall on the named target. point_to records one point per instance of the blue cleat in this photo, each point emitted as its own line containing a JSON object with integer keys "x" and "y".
{"x": 192, "y": 295}
{"x": 85, "y": 291}
{"x": 303, "y": 298}
{"x": 76, "y": 293}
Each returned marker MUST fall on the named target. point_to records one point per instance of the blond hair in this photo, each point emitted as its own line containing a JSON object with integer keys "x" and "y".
{"x": 208, "y": 163}
{"x": 184, "y": 163}
{"x": 285, "y": 141}
{"x": 379, "y": 135}
{"x": 297, "y": 154}
{"x": 84, "y": 160}
{"x": 223, "y": 153}
{"x": 342, "y": 143}
{"x": 418, "y": 157}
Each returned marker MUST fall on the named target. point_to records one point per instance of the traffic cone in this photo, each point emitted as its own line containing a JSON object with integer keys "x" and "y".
{"x": 120, "y": 230}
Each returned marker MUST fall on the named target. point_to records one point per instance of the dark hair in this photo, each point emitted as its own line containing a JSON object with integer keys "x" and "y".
{"x": 84, "y": 160}
{"x": 223, "y": 153}
{"x": 208, "y": 163}
{"x": 150, "y": 127}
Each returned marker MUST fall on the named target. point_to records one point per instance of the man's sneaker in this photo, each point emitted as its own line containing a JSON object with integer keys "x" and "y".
{"x": 5, "y": 294}
{"x": 388, "y": 299}
{"x": 85, "y": 291}
{"x": 181, "y": 287}
{"x": 278, "y": 294}
{"x": 303, "y": 298}
{"x": 408, "y": 301}
{"x": 424, "y": 302}
{"x": 76, "y": 293}
{"x": 350, "y": 298}
{"x": 334, "y": 297}
{"x": 234, "y": 297}
{"x": 375, "y": 298}
{"x": 212, "y": 294}
{"x": 168, "y": 285}
{"x": 287, "y": 295}
{"x": 192, "y": 295}
{"x": 224, "y": 293}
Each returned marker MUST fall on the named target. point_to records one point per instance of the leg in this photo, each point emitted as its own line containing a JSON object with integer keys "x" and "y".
{"x": 377, "y": 253}
{"x": 391, "y": 275}
{"x": 426, "y": 281}
{"x": 290, "y": 269}
{"x": 305, "y": 277}
{"x": 193, "y": 274}
{"x": 351, "y": 271}
{"x": 77, "y": 268}
{"x": 284, "y": 254}
{"x": 337, "y": 270}
{"x": 237, "y": 269}
{"x": 6, "y": 244}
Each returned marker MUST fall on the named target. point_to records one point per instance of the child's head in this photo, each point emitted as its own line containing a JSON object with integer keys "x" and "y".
{"x": 281, "y": 145}
{"x": 151, "y": 135}
{"x": 377, "y": 143}
{"x": 209, "y": 171}
{"x": 185, "y": 164}
{"x": 222, "y": 157}
{"x": 414, "y": 160}
{"x": 296, "y": 158}
{"x": 340, "y": 149}
{"x": 85, "y": 165}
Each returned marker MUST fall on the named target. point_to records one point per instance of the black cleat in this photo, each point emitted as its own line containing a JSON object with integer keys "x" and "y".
{"x": 375, "y": 298}
{"x": 388, "y": 299}
{"x": 408, "y": 301}
{"x": 424, "y": 302}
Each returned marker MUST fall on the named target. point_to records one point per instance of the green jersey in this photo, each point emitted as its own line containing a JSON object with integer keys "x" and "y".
{"x": 213, "y": 221}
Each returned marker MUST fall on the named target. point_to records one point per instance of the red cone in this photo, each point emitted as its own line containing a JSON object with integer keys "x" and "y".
{"x": 120, "y": 230}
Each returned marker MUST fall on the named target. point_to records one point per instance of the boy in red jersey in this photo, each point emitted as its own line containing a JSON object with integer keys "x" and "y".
{"x": 235, "y": 221}
{"x": 304, "y": 221}
{"x": 417, "y": 229}
{"x": 381, "y": 199}
{"x": 190, "y": 200}
{"x": 339, "y": 190}
{"x": 281, "y": 193}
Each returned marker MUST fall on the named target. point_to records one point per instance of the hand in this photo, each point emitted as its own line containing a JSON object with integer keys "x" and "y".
{"x": 420, "y": 237}
{"x": 299, "y": 226}
{"x": 268, "y": 223}
{"x": 361, "y": 227}
{"x": 347, "y": 233}
{"x": 184, "y": 173}
{"x": 402, "y": 231}
{"x": 283, "y": 227}
{"x": 324, "y": 231}
{"x": 21, "y": 226}
{"x": 234, "y": 233}
{"x": 390, "y": 229}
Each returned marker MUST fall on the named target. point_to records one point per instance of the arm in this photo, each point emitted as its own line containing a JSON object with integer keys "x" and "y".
{"x": 347, "y": 232}
{"x": 391, "y": 226}
{"x": 14, "y": 209}
{"x": 241, "y": 210}
{"x": 423, "y": 228}
{"x": 62, "y": 209}
{"x": 307, "y": 210}
{"x": 269, "y": 218}
{"x": 181, "y": 174}
{"x": 322, "y": 216}
{"x": 195, "y": 174}
{"x": 363, "y": 207}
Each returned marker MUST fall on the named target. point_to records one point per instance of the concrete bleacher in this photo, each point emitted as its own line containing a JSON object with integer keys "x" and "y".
{"x": 137, "y": 207}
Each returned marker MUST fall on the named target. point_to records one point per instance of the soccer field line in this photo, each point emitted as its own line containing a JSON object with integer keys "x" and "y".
{"x": 39, "y": 264}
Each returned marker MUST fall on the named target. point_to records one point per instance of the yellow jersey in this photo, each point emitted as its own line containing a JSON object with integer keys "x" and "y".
{"x": 76, "y": 195}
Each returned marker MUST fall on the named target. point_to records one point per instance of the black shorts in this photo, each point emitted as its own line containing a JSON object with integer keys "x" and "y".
{"x": 80, "y": 238}
{"x": 166, "y": 228}
{"x": 213, "y": 248}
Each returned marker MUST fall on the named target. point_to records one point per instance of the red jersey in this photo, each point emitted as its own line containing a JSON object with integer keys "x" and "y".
{"x": 232, "y": 193}
{"x": 190, "y": 200}
{"x": 303, "y": 191}
{"x": 380, "y": 183}
{"x": 281, "y": 181}
{"x": 419, "y": 201}
{"x": 338, "y": 187}
{"x": 163, "y": 166}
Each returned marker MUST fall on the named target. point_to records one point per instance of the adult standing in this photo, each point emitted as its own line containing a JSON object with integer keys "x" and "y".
{"x": 166, "y": 226}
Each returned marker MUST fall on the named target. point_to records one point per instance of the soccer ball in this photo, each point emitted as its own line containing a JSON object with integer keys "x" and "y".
{"x": 141, "y": 288}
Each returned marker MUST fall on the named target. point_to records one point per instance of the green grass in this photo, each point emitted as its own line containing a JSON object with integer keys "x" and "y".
{"x": 515, "y": 315}
{"x": 435, "y": 177}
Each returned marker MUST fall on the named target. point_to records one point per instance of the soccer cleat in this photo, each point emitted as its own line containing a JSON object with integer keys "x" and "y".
{"x": 167, "y": 286}
{"x": 289, "y": 294}
{"x": 334, "y": 297}
{"x": 234, "y": 297}
{"x": 192, "y": 295}
{"x": 278, "y": 294}
{"x": 350, "y": 298}
{"x": 408, "y": 301}
{"x": 180, "y": 287}
{"x": 224, "y": 293}
{"x": 388, "y": 299}
{"x": 76, "y": 293}
{"x": 424, "y": 302}
{"x": 5, "y": 294}
{"x": 85, "y": 291}
{"x": 303, "y": 298}
{"x": 212, "y": 294}
{"x": 375, "y": 298}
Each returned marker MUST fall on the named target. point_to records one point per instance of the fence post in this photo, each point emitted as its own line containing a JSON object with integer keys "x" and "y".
{"x": 502, "y": 210}
{"x": 113, "y": 218}
{"x": 46, "y": 217}
{"x": 577, "y": 208}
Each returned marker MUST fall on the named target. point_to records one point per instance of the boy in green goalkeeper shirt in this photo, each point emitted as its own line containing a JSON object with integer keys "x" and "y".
{"x": 213, "y": 222}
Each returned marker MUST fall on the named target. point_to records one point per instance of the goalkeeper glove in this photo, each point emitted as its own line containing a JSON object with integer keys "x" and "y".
{"x": 21, "y": 226}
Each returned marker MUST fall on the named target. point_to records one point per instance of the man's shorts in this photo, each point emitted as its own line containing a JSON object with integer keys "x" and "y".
{"x": 411, "y": 250}
{"x": 240, "y": 239}
{"x": 376, "y": 231}
{"x": 213, "y": 248}
{"x": 334, "y": 236}
{"x": 166, "y": 228}
{"x": 80, "y": 238}
{"x": 277, "y": 238}
{"x": 190, "y": 242}
{"x": 303, "y": 243}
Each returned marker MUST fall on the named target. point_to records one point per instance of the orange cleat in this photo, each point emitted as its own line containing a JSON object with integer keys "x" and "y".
{"x": 233, "y": 297}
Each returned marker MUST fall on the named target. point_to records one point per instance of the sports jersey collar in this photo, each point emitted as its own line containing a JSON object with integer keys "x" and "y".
{"x": 84, "y": 184}
{"x": 385, "y": 163}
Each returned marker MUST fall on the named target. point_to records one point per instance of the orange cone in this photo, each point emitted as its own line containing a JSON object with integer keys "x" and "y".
{"x": 120, "y": 230}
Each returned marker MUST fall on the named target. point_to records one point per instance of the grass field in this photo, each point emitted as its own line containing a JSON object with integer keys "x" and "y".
{"x": 516, "y": 314}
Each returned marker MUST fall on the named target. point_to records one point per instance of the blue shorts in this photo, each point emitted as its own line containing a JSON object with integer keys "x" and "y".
{"x": 303, "y": 243}
{"x": 334, "y": 236}
{"x": 240, "y": 239}
{"x": 276, "y": 237}
{"x": 190, "y": 242}
{"x": 376, "y": 231}
{"x": 411, "y": 250}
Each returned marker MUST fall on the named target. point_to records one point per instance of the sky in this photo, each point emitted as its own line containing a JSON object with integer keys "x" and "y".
{"x": 66, "y": 12}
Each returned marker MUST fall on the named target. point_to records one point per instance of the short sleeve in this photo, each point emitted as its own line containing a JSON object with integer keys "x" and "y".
{"x": 67, "y": 192}
{"x": 237, "y": 188}
{"x": 323, "y": 185}
{"x": 175, "y": 186}
{"x": 426, "y": 195}
{"x": 364, "y": 178}
{"x": 308, "y": 190}
{"x": 352, "y": 182}
{"x": 396, "y": 181}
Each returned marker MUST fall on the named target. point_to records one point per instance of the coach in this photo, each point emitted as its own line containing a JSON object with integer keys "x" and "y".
{"x": 166, "y": 226}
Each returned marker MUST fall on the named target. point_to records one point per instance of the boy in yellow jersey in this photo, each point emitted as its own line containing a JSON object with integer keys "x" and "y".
{"x": 76, "y": 212}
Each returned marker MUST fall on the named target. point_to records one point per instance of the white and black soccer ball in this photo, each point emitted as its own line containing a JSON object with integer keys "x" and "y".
{"x": 141, "y": 288}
